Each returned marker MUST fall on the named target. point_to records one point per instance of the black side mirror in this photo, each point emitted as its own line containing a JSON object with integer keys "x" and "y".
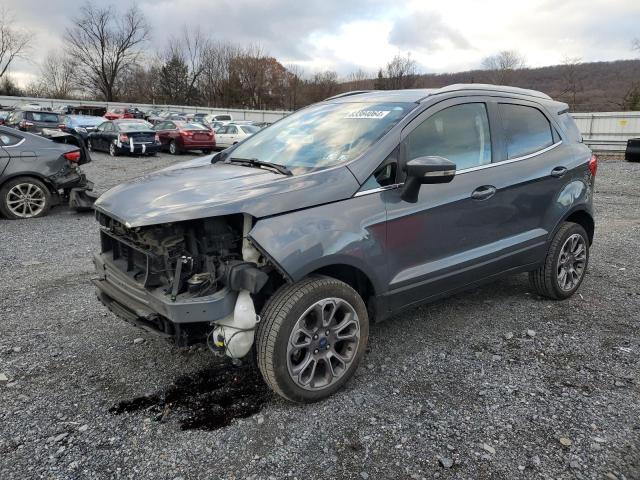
{"x": 426, "y": 170}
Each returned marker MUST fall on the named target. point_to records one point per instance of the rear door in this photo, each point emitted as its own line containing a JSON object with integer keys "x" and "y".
{"x": 456, "y": 234}
{"x": 222, "y": 137}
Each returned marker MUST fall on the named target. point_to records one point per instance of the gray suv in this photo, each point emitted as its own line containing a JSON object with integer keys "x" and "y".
{"x": 287, "y": 245}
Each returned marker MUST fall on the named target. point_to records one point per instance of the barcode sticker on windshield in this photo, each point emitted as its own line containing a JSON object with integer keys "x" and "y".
{"x": 375, "y": 114}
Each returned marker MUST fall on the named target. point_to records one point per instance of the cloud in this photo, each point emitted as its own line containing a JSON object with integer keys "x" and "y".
{"x": 426, "y": 31}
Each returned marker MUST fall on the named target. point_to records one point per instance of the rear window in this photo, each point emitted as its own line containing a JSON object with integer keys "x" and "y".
{"x": 249, "y": 129}
{"x": 42, "y": 117}
{"x": 223, "y": 117}
{"x": 569, "y": 126}
{"x": 192, "y": 126}
{"x": 526, "y": 129}
{"x": 133, "y": 126}
{"x": 7, "y": 139}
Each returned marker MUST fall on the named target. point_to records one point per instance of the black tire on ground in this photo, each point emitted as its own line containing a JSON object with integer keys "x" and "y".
{"x": 174, "y": 149}
{"x": 113, "y": 150}
{"x": 545, "y": 279}
{"x": 279, "y": 317}
{"x": 42, "y": 199}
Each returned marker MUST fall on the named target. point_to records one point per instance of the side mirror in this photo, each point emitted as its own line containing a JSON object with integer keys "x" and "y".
{"x": 426, "y": 170}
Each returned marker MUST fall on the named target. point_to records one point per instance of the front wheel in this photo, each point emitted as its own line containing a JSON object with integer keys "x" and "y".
{"x": 311, "y": 339}
{"x": 113, "y": 151}
{"x": 565, "y": 265}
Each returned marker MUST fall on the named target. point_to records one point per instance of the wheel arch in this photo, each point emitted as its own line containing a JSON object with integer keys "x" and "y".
{"x": 352, "y": 276}
{"x": 36, "y": 176}
{"x": 583, "y": 218}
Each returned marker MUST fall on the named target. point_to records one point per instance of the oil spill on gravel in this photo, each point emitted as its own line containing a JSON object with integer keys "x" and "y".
{"x": 208, "y": 399}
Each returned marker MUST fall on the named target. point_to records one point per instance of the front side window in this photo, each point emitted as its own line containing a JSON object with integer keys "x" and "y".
{"x": 459, "y": 134}
{"x": 526, "y": 129}
{"x": 323, "y": 135}
{"x": 232, "y": 130}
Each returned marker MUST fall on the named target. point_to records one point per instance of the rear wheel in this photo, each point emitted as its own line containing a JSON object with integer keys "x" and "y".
{"x": 565, "y": 265}
{"x": 24, "y": 197}
{"x": 173, "y": 148}
{"x": 311, "y": 339}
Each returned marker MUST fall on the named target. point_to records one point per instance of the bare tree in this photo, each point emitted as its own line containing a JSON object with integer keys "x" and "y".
{"x": 572, "y": 79}
{"x": 105, "y": 42}
{"x": 14, "y": 43}
{"x": 400, "y": 72}
{"x": 359, "y": 80}
{"x": 503, "y": 64}
{"x": 294, "y": 84}
{"x": 57, "y": 73}
{"x": 635, "y": 44}
{"x": 189, "y": 49}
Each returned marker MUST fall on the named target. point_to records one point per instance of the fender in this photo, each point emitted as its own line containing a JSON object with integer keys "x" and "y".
{"x": 304, "y": 241}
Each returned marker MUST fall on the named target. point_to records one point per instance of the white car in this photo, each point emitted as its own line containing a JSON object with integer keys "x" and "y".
{"x": 216, "y": 117}
{"x": 232, "y": 133}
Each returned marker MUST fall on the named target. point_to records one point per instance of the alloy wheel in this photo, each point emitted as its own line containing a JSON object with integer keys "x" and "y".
{"x": 571, "y": 262}
{"x": 26, "y": 200}
{"x": 323, "y": 343}
{"x": 112, "y": 149}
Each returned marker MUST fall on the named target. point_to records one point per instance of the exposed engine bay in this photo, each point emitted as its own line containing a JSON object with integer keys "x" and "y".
{"x": 186, "y": 261}
{"x": 189, "y": 259}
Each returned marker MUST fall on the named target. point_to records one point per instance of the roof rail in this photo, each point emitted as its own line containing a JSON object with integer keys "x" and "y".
{"x": 492, "y": 88}
{"x": 348, "y": 94}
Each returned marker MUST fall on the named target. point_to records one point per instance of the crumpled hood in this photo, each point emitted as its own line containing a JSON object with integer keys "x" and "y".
{"x": 194, "y": 190}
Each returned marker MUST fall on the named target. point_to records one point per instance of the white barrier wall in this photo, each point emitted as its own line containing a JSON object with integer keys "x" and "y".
{"x": 237, "y": 114}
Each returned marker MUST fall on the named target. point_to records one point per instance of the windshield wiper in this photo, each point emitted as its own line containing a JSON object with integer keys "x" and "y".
{"x": 254, "y": 162}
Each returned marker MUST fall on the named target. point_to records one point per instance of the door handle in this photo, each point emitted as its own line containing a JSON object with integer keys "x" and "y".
{"x": 558, "y": 172}
{"x": 484, "y": 192}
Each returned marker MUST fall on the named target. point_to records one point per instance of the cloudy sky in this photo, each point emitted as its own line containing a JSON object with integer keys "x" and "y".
{"x": 345, "y": 35}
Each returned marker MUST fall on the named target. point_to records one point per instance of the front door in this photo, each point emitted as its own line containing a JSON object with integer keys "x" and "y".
{"x": 455, "y": 233}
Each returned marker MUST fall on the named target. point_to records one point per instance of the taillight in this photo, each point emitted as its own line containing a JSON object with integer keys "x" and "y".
{"x": 157, "y": 138}
{"x": 186, "y": 133}
{"x": 72, "y": 156}
{"x": 124, "y": 138}
{"x": 62, "y": 126}
{"x": 25, "y": 124}
{"x": 593, "y": 165}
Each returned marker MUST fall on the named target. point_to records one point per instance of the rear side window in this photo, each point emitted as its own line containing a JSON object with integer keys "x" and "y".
{"x": 8, "y": 139}
{"x": 526, "y": 129}
{"x": 569, "y": 125}
{"x": 459, "y": 133}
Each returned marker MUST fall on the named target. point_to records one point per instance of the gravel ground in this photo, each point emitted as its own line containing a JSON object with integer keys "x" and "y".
{"x": 492, "y": 383}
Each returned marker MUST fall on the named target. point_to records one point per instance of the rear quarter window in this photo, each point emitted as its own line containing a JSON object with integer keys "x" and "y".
{"x": 526, "y": 129}
{"x": 569, "y": 126}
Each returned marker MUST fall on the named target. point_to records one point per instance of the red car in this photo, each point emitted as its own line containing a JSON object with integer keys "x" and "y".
{"x": 118, "y": 113}
{"x": 179, "y": 136}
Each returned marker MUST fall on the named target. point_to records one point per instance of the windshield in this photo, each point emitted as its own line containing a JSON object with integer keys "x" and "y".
{"x": 322, "y": 135}
{"x": 86, "y": 121}
{"x": 44, "y": 117}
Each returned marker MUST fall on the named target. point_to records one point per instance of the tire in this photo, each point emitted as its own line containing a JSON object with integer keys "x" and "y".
{"x": 206, "y": 151}
{"x": 562, "y": 255}
{"x": 174, "y": 149}
{"x": 295, "y": 304}
{"x": 37, "y": 204}
{"x": 113, "y": 151}
{"x": 89, "y": 145}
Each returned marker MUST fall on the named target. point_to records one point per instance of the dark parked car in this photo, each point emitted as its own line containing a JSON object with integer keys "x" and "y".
{"x": 632, "y": 152}
{"x": 127, "y": 136}
{"x": 81, "y": 125}
{"x": 32, "y": 120}
{"x": 178, "y": 136}
{"x": 344, "y": 212}
{"x": 37, "y": 173}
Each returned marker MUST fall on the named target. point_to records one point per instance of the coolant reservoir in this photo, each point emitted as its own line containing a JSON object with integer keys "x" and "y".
{"x": 238, "y": 330}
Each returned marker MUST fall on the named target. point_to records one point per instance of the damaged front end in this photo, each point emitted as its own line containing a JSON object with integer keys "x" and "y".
{"x": 190, "y": 281}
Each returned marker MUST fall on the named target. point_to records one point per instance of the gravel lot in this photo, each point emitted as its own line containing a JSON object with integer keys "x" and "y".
{"x": 493, "y": 383}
